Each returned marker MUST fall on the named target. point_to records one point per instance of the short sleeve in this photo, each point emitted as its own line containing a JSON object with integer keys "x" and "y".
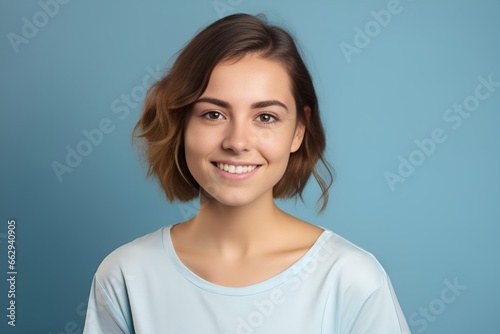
{"x": 104, "y": 316}
{"x": 380, "y": 313}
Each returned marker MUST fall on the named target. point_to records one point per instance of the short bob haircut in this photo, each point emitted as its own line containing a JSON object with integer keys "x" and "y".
{"x": 169, "y": 101}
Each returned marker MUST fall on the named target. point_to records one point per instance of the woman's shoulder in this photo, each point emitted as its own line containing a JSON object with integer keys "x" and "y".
{"x": 340, "y": 256}
{"x": 351, "y": 264}
{"x": 133, "y": 255}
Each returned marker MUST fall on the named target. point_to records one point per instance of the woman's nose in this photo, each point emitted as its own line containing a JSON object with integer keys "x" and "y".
{"x": 238, "y": 137}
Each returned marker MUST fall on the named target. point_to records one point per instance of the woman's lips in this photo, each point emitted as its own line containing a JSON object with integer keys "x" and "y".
{"x": 235, "y": 171}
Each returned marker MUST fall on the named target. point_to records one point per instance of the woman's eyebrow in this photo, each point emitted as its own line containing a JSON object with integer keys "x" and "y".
{"x": 256, "y": 105}
{"x": 217, "y": 102}
{"x": 268, "y": 103}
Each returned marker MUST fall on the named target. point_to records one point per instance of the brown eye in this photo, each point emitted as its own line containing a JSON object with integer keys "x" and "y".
{"x": 267, "y": 118}
{"x": 213, "y": 115}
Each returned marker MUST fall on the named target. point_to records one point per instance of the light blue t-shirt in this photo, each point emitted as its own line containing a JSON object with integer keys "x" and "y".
{"x": 336, "y": 287}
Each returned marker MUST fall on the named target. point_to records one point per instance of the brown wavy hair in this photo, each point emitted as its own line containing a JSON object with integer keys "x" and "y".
{"x": 169, "y": 100}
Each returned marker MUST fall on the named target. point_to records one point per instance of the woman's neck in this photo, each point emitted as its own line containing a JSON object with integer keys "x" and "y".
{"x": 237, "y": 232}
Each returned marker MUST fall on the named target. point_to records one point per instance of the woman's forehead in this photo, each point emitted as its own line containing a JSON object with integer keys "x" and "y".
{"x": 251, "y": 77}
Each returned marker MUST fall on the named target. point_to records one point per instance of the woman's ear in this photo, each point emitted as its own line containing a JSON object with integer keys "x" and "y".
{"x": 300, "y": 130}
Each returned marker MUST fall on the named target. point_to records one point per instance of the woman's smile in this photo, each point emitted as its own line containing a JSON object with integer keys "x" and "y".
{"x": 243, "y": 168}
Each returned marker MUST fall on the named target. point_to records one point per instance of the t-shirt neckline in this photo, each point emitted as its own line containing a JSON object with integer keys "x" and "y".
{"x": 260, "y": 287}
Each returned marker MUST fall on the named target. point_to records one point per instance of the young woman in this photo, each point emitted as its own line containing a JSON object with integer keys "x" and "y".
{"x": 235, "y": 123}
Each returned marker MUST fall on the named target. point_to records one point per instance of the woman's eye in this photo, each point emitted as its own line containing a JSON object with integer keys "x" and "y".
{"x": 266, "y": 118}
{"x": 213, "y": 115}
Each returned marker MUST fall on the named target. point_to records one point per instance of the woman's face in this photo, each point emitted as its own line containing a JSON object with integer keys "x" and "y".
{"x": 241, "y": 131}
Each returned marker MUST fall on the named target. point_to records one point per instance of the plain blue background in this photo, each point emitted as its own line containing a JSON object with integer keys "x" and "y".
{"x": 440, "y": 225}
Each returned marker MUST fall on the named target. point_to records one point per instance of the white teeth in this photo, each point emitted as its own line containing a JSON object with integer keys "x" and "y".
{"x": 235, "y": 169}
